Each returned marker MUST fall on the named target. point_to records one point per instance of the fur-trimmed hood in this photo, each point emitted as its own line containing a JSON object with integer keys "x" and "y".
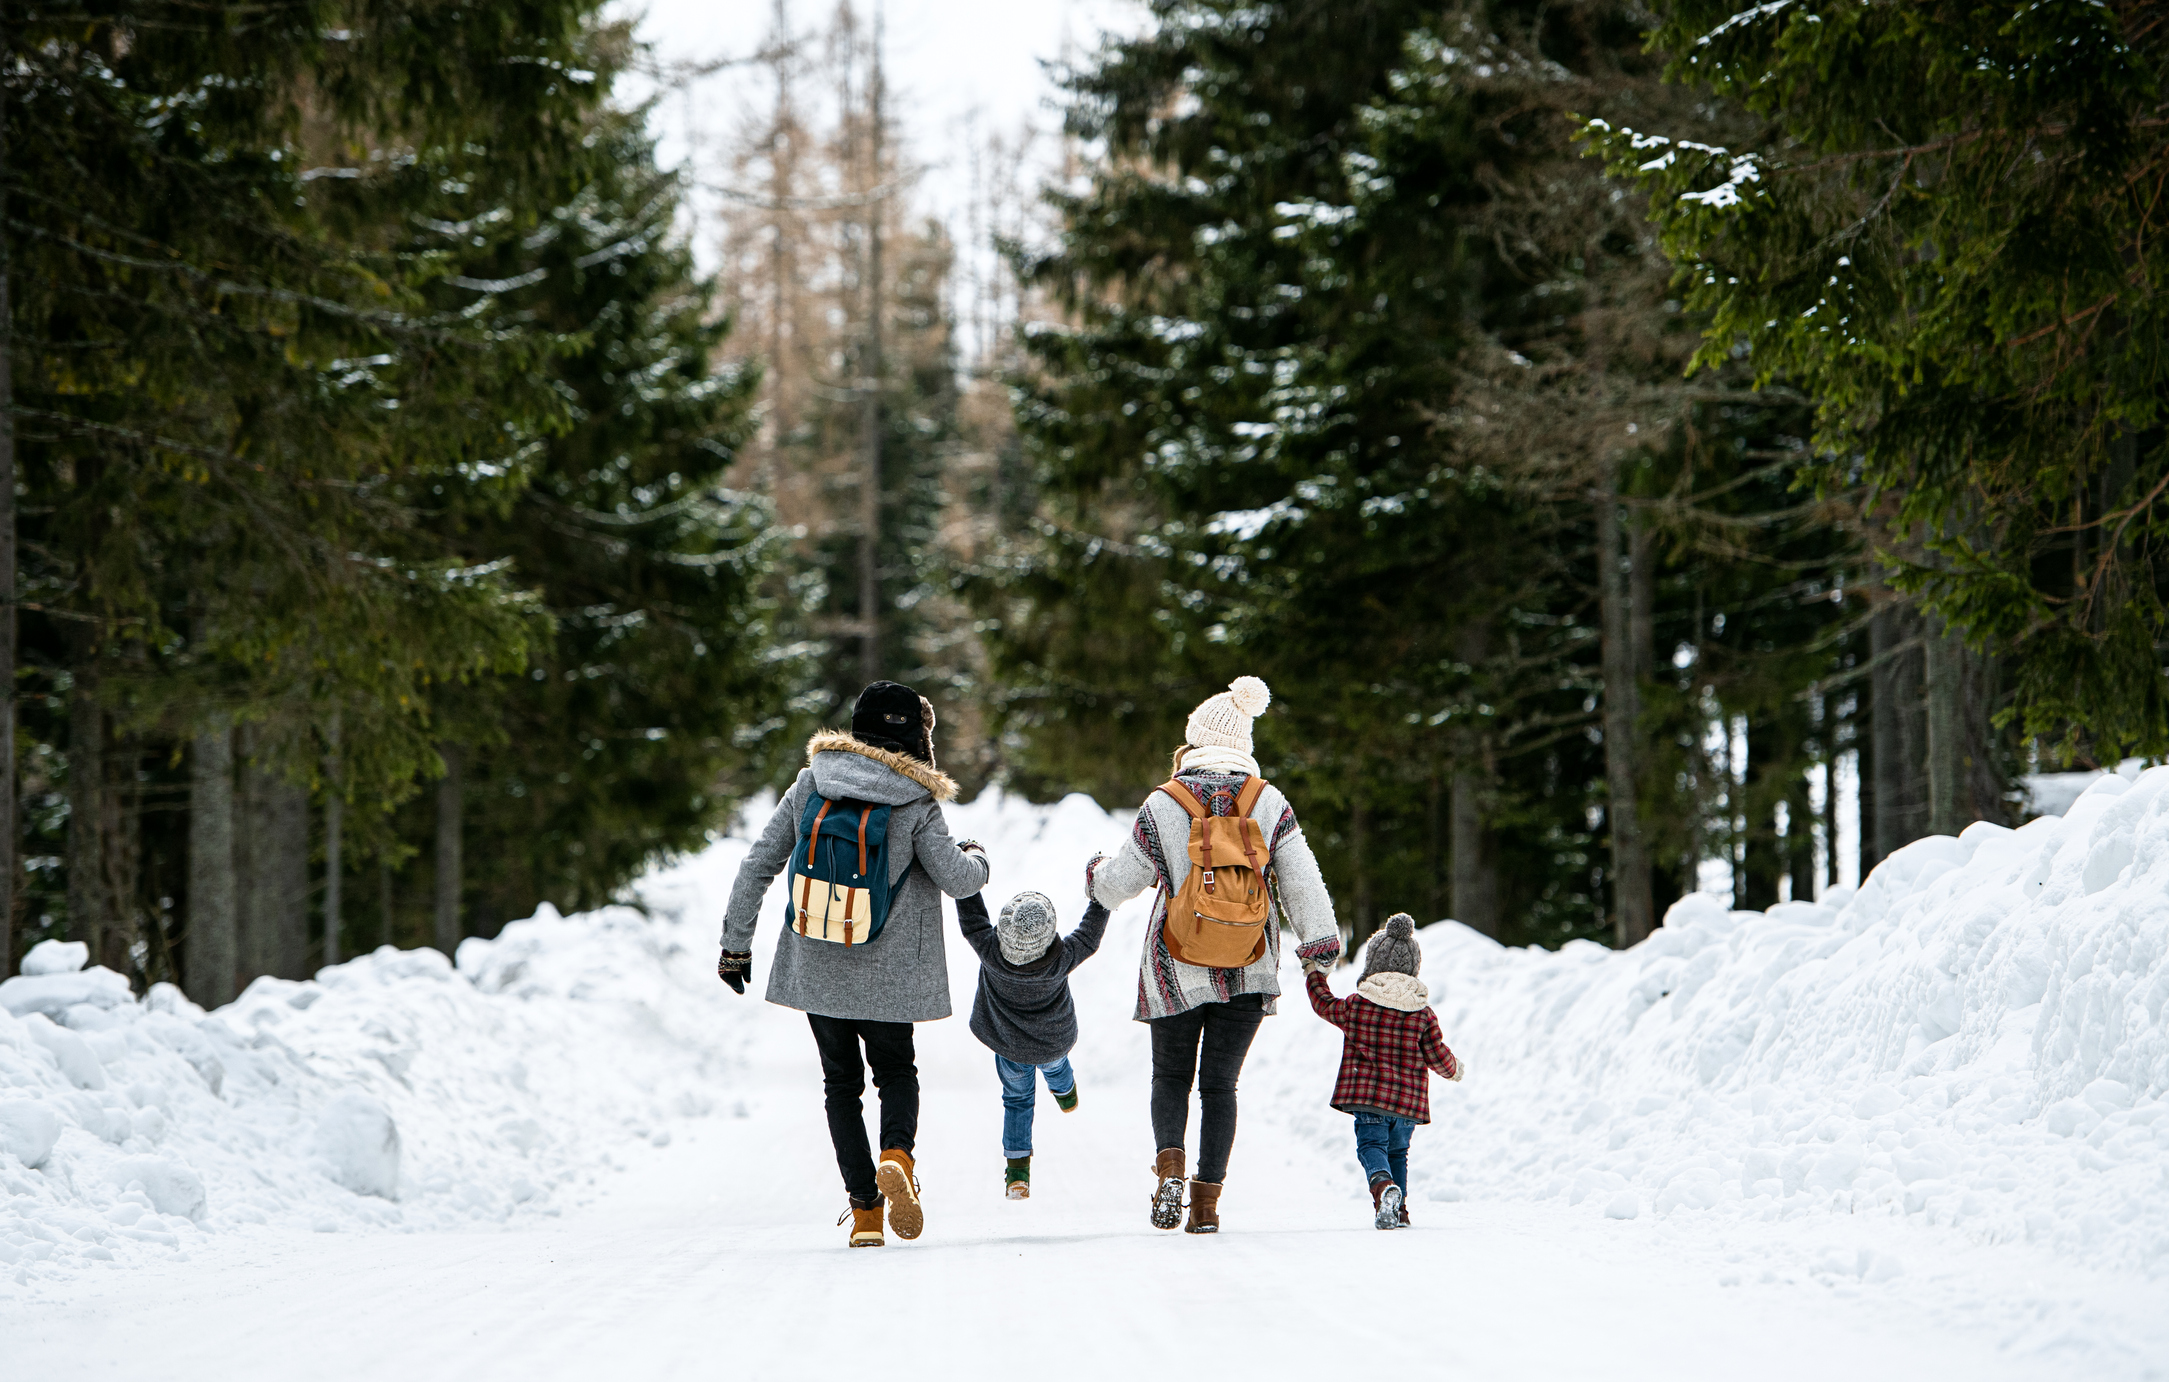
{"x": 1392, "y": 989}
{"x": 938, "y": 784}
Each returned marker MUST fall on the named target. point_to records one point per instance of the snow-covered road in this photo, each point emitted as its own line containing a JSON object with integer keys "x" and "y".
{"x": 1917, "y": 1134}
{"x": 717, "y": 1256}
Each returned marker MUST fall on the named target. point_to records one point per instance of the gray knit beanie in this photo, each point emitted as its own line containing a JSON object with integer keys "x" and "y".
{"x": 1394, "y": 950}
{"x": 1025, "y": 927}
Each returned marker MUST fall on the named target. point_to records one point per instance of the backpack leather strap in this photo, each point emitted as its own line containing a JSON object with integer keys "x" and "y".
{"x": 1246, "y": 801}
{"x": 1185, "y": 798}
{"x": 813, "y": 836}
{"x": 862, "y": 839}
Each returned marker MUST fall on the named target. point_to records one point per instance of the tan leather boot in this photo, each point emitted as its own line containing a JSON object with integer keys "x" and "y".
{"x": 895, "y": 1177}
{"x": 865, "y": 1225}
{"x": 1167, "y": 1195}
{"x": 1204, "y": 1208}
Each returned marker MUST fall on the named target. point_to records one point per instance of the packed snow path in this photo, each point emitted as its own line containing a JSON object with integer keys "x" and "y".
{"x": 718, "y": 1257}
{"x": 1913, "y": 1138}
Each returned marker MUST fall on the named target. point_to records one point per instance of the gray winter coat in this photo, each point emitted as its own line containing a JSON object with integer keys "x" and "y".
{"x": 902, "y": 975}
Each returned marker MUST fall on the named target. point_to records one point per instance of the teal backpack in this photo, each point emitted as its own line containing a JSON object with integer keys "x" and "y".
{"x": 839, "y": 871}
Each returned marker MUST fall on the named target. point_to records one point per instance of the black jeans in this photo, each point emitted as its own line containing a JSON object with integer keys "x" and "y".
{"x": 843, "y": 1079}
{"x": 1207, "y": 1043}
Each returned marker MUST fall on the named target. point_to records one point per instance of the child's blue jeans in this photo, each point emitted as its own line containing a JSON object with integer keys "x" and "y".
{"x": 1020, "y": 1091}
{"x": 1382, "y": 1146}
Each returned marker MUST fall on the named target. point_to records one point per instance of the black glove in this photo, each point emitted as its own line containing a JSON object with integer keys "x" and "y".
{"x": 735, "y": 970}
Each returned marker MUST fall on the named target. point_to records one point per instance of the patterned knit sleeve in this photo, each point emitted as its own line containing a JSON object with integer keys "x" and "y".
{"x": 1130, "y": 872}
{"x": 1308, "y": 907}
{"x": 1435, "y": 1052}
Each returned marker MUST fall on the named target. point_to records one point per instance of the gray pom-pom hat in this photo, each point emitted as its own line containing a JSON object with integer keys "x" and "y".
{"x": 1394, "y": 949}
{"x": 1025, "y": 927}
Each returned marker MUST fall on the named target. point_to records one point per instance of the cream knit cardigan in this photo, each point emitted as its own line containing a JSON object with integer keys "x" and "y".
{"x": 1157, "y": 855}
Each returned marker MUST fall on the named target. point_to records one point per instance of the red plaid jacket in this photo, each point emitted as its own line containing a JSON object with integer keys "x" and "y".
{"x": 1387, "y": 1056}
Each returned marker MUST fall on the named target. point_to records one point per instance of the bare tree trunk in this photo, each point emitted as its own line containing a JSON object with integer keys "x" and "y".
{"x": 1475, "y": 866}
{"x": 334, "y": 845}
{"x": 90, "y": 908}
{"x": 214, "y": 936}
{"x": 1900, "y": 749}
{"x": 870, "y": 382}
{"x": 10, "y": 928}
{"x": 1433, "y": 864}
{"x": 1945, "y": 687}
{"x": 448, "y": 860}
{"x": 384, "y": 891}
{"x": 1631, "y": 898}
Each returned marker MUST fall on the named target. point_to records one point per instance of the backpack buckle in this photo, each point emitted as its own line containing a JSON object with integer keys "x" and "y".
{"x": 1208, "y": 880}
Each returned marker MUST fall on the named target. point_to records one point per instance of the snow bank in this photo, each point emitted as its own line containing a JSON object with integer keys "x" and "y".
{"x": 1975, "y": 1040}
{"x": 394, "y": 1091}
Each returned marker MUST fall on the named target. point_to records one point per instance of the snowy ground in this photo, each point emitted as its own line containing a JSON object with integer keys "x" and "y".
{"x": 1910, "y": 1134}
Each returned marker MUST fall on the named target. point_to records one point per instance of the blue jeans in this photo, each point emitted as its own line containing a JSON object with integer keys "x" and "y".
{"x": 1382, "y": 1146}
{"x": 1020, "y": 1091}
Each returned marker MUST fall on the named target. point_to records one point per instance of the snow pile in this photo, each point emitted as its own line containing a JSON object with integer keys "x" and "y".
{"x": 1974, "y": 1040}
{"x": 390, "y": 1092}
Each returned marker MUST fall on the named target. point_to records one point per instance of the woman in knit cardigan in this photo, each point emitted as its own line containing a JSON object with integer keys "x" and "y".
{"x": 1203, "y": 1019}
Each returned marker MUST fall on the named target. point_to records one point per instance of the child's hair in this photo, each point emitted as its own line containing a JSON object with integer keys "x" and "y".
{"x": 1176, "y": 766}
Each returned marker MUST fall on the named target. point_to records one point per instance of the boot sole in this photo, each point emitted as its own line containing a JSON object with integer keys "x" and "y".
{"x": 1019, "y": 1192}
{"x": 858, "y": 1242}
{"x": 1167, "y": 1204}
{"x": 1389, "y": 1209}
{"x": 905, "y": 1216}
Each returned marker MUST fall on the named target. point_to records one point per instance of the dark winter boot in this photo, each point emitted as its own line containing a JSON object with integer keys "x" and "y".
{"x": 1167, "y": 1196}
{"x": 1067, "y": 1099}
{"x": 1385, "y": 1203}
{"x": 1404, "y": 1213}
{"x": 1204, "y": 1208}
{"x": 1017, "y": 1180}
{"x": 895, "y": 1177}
{"x": 865, "y": 1217}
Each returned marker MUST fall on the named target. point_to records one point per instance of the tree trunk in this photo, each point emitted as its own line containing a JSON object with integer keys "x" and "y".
{"x": 1759, "y": 855}
{"x": 1631, "y": 898}
{"x": 448, "y": 861}
{"x": 10, "y": 927}
{"x": 1899, "y": 727}
{"x": 214, "y": 937}
{"x": 90, "y": 907}
{"x": 1434, "y": 863}
{"x": 870, "y": 475}
{"x": 271, "y": 866}
{"x": 1473, "y": 854}
{"x": 1946, "y": 694}
{"x": 335, "y": 816}
{"x": 1800, "y": 838}
{"x": 1864, "y": 739}
{"x": 384, "y": 890}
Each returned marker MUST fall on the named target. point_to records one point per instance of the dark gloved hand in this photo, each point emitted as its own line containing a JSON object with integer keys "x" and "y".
{"x": 735, "y": 970}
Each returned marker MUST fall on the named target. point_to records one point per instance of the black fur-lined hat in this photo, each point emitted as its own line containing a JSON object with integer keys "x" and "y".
{"x": 895, "y": 717}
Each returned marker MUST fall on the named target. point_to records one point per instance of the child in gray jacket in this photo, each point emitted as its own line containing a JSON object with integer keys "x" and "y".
{"x": 1023, "y": 1013}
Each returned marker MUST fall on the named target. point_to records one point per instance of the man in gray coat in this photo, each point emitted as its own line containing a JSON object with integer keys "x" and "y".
{"x": 867, "y": 994}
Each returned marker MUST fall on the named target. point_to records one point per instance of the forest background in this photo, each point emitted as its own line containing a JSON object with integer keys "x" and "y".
{"x": 1639, "y": 461}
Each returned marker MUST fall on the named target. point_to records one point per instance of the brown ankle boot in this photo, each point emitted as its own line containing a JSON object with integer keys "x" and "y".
{"x": 1167, "y": 1194}
{"x": 865, "y": 1217}
{"x": 895, "y": 1175}
{"x": 1204, "y": 1208}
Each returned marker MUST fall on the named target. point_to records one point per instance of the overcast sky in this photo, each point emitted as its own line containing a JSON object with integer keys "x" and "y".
{"x": 948, "y": 61}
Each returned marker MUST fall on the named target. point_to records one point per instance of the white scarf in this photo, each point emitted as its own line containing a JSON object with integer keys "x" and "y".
{"x": 1223, "y": 760}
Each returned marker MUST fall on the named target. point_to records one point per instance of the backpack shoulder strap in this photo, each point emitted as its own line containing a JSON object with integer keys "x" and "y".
{"x": 1246, "y": 800}
{"x": 1184, "y": 798}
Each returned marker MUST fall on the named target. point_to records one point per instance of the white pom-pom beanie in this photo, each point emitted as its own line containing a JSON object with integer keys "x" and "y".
{"x": 1223, "y": 721}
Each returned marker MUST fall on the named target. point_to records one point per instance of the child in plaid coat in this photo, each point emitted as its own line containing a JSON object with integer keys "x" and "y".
{"x": 1390, "y": 1045}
